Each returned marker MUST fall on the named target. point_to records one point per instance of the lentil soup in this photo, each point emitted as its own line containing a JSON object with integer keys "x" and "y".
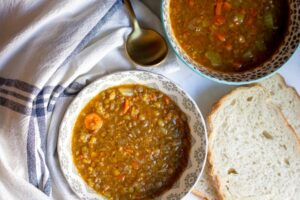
{"x": 229, "y": 35}
{"x": 131, "y": 142}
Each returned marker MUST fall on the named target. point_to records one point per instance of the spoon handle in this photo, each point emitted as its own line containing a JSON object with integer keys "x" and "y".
{"x": 132, "y": 15}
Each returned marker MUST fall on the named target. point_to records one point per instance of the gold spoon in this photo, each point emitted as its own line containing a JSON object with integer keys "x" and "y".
{"x": 144, "y": 47}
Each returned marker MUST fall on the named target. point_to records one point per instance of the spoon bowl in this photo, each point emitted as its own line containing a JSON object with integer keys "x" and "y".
{"x": 144, "y": 47}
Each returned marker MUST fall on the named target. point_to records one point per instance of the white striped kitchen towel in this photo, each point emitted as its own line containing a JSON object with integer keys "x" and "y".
{"x": 49, "y": 50}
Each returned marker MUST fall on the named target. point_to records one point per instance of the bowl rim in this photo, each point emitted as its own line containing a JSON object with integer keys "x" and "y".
{"x": 190, "y": 66}
{"x": 61, "y": 148}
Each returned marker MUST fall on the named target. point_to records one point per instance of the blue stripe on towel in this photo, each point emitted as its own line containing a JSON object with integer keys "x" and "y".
{"x": 14, "y": 94}
{"x": 56, "y": 92}
{"x": 42, "y": 171}
{"x": 21, "y": 85}
{"x": 17, "y": 107}
{"x": 40, "y": 111}
{"x": 48, "y": 187}
{"x": 41, "y": 121}
{"x": 31, "y": 160}
{"x": 54, "y": 96}
{"x": 44, "y": 185}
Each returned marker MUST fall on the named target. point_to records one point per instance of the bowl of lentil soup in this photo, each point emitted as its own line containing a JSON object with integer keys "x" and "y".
{"x": 232, "y": 41}
{"x": 132, "y": 135}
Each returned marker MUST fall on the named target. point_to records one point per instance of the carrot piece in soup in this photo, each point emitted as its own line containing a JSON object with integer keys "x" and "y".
{"x": 129, "y": 150}
{"x": 237, "y": 65}
{"x": 121, "y": 178}
{"x": 135, "y": 165}
{"x": 227, "y": 6}
{"x": 219, "y": 20}
{"x": 221, "y": 36}
{"x": 167, "y": 100}
{"x": 93, "y": 122}
{"x": 191, "y": 3}
{"x": 126, "y": 106}
{"x": 228, "y": 47}
{"x": 218, "y": 8}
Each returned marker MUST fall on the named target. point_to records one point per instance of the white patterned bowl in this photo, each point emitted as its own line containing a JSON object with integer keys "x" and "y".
{"x": 196, "y": 123}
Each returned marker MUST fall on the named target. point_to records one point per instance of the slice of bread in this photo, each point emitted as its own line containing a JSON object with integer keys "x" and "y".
{"x": 286, "y": 98}
{"x": 205, "y": 187}
{"x": 254, "y": 153}
{"x": 199, "y": 195}
{"x": 283, "y": 96}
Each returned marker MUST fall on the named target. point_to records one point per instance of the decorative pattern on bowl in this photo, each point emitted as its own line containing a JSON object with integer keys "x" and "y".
{"x": 285, "y": 51}
{"x": 196, "y": 123}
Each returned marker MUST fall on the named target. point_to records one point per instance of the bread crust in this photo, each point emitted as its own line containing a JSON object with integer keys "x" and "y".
{"x": 295, "y": 92}
{"x": 211, "y": 183}
{"x": 199, "y": 194}
{"x": 216, "y": 106}
{"x": 292, "y": 89}
{"x": 288, "y": 86}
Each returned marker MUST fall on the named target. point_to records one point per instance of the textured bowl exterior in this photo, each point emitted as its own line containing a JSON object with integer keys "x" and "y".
{"x": 196, "y": 122}
{"x": 268, "y": 68}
